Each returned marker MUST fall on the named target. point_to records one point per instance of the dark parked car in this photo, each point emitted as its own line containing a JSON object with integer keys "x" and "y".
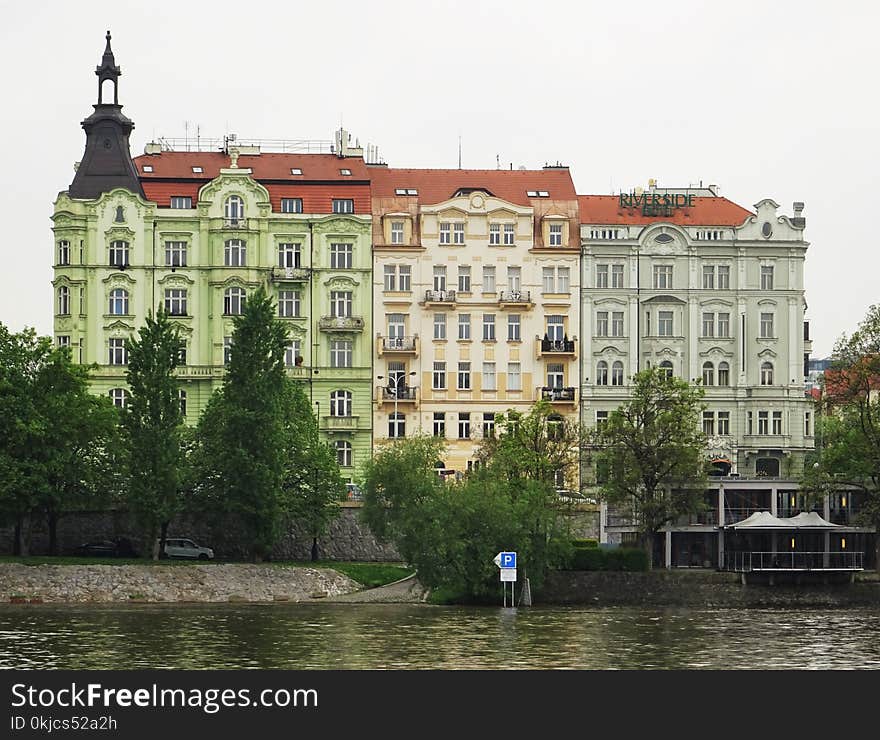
{"x": 120, "y": 548}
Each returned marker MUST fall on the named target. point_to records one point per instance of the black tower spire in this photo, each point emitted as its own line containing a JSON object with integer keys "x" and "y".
{"x": 106, "y": 163}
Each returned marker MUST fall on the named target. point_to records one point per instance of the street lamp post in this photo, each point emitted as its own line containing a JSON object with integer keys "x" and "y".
{"x": 314, "y": 553}
{"x": 396, "y": 380}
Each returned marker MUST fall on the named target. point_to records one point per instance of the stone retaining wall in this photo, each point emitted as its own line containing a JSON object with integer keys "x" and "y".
{"x": 698, "y": 588}
{"x": 158, "y": 583}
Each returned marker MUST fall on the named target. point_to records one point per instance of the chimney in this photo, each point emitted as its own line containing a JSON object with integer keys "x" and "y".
{"x": 798, "y": 221}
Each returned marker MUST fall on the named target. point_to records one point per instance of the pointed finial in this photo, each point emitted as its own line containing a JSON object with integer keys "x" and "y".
{"x": 108, "y": 50}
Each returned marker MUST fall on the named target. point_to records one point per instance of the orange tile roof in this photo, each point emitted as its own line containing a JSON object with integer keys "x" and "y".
{"x": 706, "y": 211}
{"x": 436, "y": 186}
{"x": 269, "y": 166}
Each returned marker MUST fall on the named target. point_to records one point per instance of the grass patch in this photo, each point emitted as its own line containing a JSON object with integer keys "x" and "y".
{"x": 368, "y": 574}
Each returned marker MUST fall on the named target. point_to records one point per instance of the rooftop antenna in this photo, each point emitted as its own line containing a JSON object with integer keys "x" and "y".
{"x": 497, "y": 161}
{"x": 459, "y": 151}
{"x": 186, "y": 135}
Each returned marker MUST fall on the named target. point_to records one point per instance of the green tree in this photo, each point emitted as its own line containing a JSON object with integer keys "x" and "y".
{"x": 649, "y": 454}
{"x": 152, "y": 422}
{"x": 242, "y": 434}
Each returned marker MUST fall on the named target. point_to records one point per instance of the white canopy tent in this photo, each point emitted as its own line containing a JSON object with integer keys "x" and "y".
{"x": 764, "y": 520}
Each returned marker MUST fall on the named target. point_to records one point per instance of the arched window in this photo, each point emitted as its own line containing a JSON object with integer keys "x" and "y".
{"x": 340, "y": 403}
{"x": 119, "y": 302}
{"x": 235, "y": 253}
{"x": 234, "y": 210}
{"x": 119, "y": 396}
{"x": 233, "y": 301}
{"x": 343, "y": 453}
{"x": 601, "y": 373}
{"x": 723, "y": 374}
{"x": 708, "y": 373}
{"x": 396, "y": 425}
{"x": 617, "y": 373}
{"x": 766, "y": 373}
{"x": 666, "y": 367}
{"x": 181, "y": 399}
{"x": 63, "y": 300}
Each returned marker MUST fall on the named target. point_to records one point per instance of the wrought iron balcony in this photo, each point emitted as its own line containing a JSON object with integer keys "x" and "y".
{"x": 558, "y": 346}
{"x": 558, "y": 395}
{"x": 517, "y": 297}
{"x": 400, "y": 344}
{"x": 291, "y": 274}
{"x": 341, "y": 323}
{"x": 405, "y": 393}
{"x": 439, "y": 296}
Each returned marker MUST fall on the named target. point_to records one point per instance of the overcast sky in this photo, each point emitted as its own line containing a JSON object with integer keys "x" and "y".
{"x": 765, "y": 99}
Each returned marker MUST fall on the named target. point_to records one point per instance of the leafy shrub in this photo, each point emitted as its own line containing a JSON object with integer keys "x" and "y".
{"x": 628, "y": 559}
{"x": 585, "y": 544}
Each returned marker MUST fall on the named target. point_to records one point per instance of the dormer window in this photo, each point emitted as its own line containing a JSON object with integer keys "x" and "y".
{"x": 147, "y": 168}
{"x": 345, "y": 171}
{"x": 197, "y": 170}
{"x": 412, "y": 191}
{"x": 400, "y": 191}
{"x": 296, "y": 171}
{"x": 532, "y": 193}
{"x": 543, "y": 194}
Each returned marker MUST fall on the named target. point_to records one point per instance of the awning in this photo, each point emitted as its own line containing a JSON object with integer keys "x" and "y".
{"x": 759, "y": 520}
{"x": 810, "y": 520}
{"x": 764, "y": 520}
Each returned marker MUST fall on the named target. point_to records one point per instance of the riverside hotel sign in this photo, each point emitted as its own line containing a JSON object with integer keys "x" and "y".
{"x": 655, "y": 204}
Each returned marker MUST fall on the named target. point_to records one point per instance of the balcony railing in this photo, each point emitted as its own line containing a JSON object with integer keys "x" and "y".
{"x": 439, "y": 296}
{"x": 341, "y": 323}
{"x": 515, "y": 296}
{"x": 406, "y": 393}
{"x": 746, "y": 562}
{"x": 234, "y": 223}
{"x": 293, "y": 274}
{"x": 560, "y": 346}
{"x": 340, "y": 423}
{"x": 399, "y": 344}
{"x": 559, "y": 395}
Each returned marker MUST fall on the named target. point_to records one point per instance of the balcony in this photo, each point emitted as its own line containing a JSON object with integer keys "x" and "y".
{"x": 408, "y": 394}
{"x": 440, "y": 298}
{"x": 397, "y": 346}
{"x": 340, "y": 423}
{"x": 290, "y": 274}
{"x": 341, "y": 323}
{"x": 235, "y": 223}
{"x": 515, "y": 299}
{"x": 556, "y": 347}
{"x": 558, "y": 395}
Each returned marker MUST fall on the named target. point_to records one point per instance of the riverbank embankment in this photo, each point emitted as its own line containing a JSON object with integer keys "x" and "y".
{"x": 168, "y": 583}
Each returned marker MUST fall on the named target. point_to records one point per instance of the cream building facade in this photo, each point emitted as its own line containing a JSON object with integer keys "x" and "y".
{"x": 475, "y": 301}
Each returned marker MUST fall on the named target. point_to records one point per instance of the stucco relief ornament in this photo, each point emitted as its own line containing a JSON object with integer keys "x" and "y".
{"x": 233, "y": 158}
{"x": 717, "y": 444}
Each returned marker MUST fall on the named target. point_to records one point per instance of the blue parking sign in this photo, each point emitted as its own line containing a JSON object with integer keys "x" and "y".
{"x": 508, "y": 560}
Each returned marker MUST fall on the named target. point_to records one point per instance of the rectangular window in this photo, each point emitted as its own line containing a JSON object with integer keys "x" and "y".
{"x": 343, "y": 205}
{"x": 555, "y": 235}
{"x": 763, "y": 423}
{"x": 464, "y": 279}
{"x": 439, "y": 326}
{"x": 175, "y": 254}
{"x": 663, "y": 277}
{"x": 291, "y": 205}
{"x": 601, "y": 276}
{"x": 289, "y": 255}
{"x": 291, "y": 351}
{"x": 601, "y": 323}
{"x": 724, "y": 325}
{"x": 227, "y": 350}
{"x": 390, "y": 272}
{"x": 708, "y": 324}
{"x": 340, "y": 256}
{"x": 664, "y": 323}
{"x": 514, "y": 278}
{"x": 766, "y": 277}
{"x": 181, "y": 352}
{"x": 488, "y": 424}
{"x": 808, "y": 429}
{"x": 708, "y": 277}
{"x": 777, "y": 422}
{"x": 723, "y": 277}
{"x": 647, "y": 323}
{"x": 616, "y": 276}
{"x": 749, "y": 417}
{"x": 118, "y": 352}
{"x": 489, "y": 376}
{"x": 235, "y": 253}
{"x": 439, "y": 428}
{"x": 548, "y": 279}
{"x": 563, "y": 280}
{"x": 458, "y": 233}
{"x": 445, "y": 232}
{"x": 438, "y": 377}
{"x": 494, "y": 234}
{"x": 767, "y": 326}
{"x": 601, "y": 419}
{"x": 118, "y": 254}
{"x": 288, "y": 303}
{"x": 464, "y": 425}
{"x": 709, "y": 423}
{"x": 64, "y": 252}
{"x": 397, "y": 232}
{"x": 617, "y": 324}
{"x": 340, "y": 353}
{"x": 509, "y": 233}
{"x": 555, "y": 327}
{"x": 340, "y": 303}
{"x": 489, "y": 279}
{"x": 464, "y": 376}
{"x": 63, "y": 340}
{"x": 723, "y": 423}
{"x": 488, "y": 327}
{"x": 555, "y": 375}
{"x": 396, "y": 331}
{"x": 514, "y": 325}
{"x": 439, "y": 277}
{"x": 514, "y": 376}
{"x": 405, "y": 272}
{"x": 464, "y": 326}
{"x": 181, "y": 201}
{"x": 175, "y": 301}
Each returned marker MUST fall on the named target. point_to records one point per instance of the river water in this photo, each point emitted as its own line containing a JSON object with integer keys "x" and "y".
{"x": 344, "y": 636}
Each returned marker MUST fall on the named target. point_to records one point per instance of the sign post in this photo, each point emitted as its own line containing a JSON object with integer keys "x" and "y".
{"x": 506, "y": 562}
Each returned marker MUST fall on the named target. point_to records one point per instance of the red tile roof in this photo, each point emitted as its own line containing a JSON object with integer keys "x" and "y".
{"x": 269, "y": 166}
{"x": 436, "y": 186}
{"x": 706, "y": 211}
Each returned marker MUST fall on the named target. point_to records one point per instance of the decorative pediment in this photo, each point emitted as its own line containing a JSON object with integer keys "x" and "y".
{"x": 342, "y": 226}
{"x": 122, "y": 233}
{"x": 767, "y": 302}
{"x": 297, "y": 331}
{"x": 663, "y": 239}
{"x": 118, "y": 328}
{"x": 664, "y": 299}
{"x": 501, "y": 212}
{"x": 611, "y": 351}
{"x": 450, "y": 211}
{"x": 716, "y": 352}
{"x": 235, "y": 280}
{"x": 119, "y": 278}
{"x": 132, "y": 204}
{"x": 182, "y": 327}
{"x": 765, "y": 353}
{"x": 667, "y": 353}
{"x": 175, "y": 280}
{"x": 241, "y": 184}
{"x": 341, "y": 282}
{"x": 716, "y": 302}
{"x": 609, "y": 300}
